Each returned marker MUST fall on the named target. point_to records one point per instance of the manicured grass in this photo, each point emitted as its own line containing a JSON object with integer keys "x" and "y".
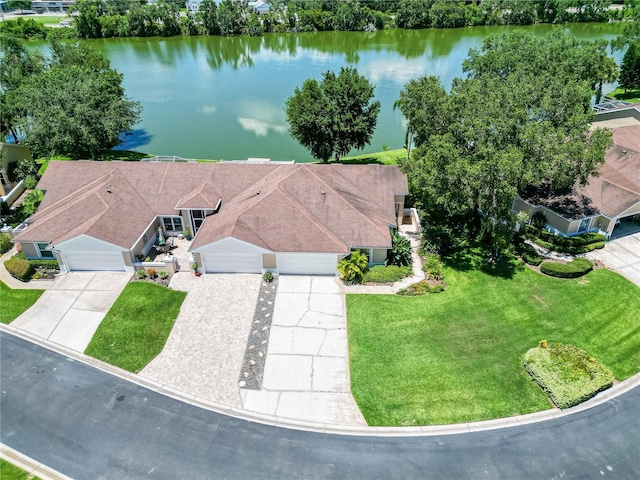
{"x": 136, "y": 328}
{"x": 632, "y": 96}
{"x": 458, "y": 355}
{"x": 390, "y": 157}
{"x": 10, "y": 472}
{"x": 15, "y": 301}
{"x": 46, "y": 19}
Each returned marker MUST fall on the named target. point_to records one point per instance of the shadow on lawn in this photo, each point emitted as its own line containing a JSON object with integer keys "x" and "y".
{"x": 480, "y": 258}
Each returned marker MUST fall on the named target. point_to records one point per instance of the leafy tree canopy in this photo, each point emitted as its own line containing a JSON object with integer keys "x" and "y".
{"x": 334, "y": 116}
{"x": 506, "y": 127}
{"x": 72, "y": 104}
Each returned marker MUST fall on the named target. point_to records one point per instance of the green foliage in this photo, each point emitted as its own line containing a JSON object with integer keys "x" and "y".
{"x": 630, "y": 68}
{"x": 5, "y": 243}
{"x": 76, "y": 106}
{"x": 21, "y": 28}
{"x": 568, "y": 374}
{"x": 137, "y": 326}
{"x": 334, "y": 116}
{"x": 538, "y": 220}
{"x": 421, "y": 288}
{"x": 386, "y": 273}
{"x": 32, "y": 201}
{"x": 457, "y": 356}
{"x": 530, "y": 255}
{"x": 574, "y": 245}
{"x": 575, "y": 268}
{"x": 163, "y": 274}
{"x": 267, "y": 276}
{"x": 400, "y": 253}
{"x": 433, "y": 267}
{"x": 23, "y": 168}
{"x": 141, "y": 274}
{"x": 49, "y": 264}
{"x": 353, "y": 267}
{"x": 19, "y": 268}
{"x": 519, "y": 119}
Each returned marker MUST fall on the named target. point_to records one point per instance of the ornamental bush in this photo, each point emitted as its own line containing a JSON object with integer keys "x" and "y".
{"x": 49, "y": 264}
{"x": 566, "y": 373}
{"x": 573, "y": 269}
{"x": 530, "y": 255}
{"x": 386, "y": 273}
{"x": 19, "y": 268}
{"x": 400, "y": 253}
{"x": 5, "y": 243}
{"x": 353, "y": 267}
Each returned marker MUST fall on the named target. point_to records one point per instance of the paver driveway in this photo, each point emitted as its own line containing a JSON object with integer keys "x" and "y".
{"x": 306, "y": 374}
{"x": 71, "y": 309}
{"x": 204, "y": 352}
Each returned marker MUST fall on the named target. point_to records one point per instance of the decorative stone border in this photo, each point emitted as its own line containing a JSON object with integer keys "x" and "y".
{"x": 256, "y": 353}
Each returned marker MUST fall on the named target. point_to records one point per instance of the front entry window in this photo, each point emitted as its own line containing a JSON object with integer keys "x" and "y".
{"x": 584, "y": 225}
{"x": 44, "y": 253}
{"x": 172, "y": 223}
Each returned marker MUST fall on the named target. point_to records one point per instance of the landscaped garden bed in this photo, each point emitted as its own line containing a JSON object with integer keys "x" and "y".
{"x": 568, "y": 374}
{"x": 457, "y": 356}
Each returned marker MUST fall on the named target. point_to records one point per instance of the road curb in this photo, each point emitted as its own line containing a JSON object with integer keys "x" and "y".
{"x": 29, "y": 465}
{"x": 430, "y": 430}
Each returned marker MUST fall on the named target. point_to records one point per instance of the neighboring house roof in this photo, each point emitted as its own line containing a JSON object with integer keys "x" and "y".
{"x": 300, "y": 207}
{"x": 614, "y": 191}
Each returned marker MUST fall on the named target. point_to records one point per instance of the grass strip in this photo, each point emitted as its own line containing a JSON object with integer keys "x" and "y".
{"x": 11, "y": 472}
{"x": 457, "y": 356}
{"x": 136, "y": 328}
{"x": 15, "y": 301}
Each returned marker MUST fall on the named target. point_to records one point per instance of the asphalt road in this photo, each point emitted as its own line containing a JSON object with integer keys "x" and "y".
{"x": 88, "y": 424}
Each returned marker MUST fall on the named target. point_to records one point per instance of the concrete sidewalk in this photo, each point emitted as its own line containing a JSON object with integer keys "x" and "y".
{"x": 70, "y": 310}
{"x": 15, "y": 283}
{"x": 306, "y": 374}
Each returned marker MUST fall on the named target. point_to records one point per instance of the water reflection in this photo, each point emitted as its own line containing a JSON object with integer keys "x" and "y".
{"x": 260, "y": 116}
{"x": 136, "y": 139}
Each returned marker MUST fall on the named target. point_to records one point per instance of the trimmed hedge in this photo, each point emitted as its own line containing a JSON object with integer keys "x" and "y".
{"x": 5, "y": 243}
{"x": 19, "y": 268}
{"x": 386, "y": 274}
{"x": 530, "y": 255}
{"x": 49, "y": 264}
{"x": 574, "y": 269}
{"x": 566, "y": 373}
{"x": 583, "y": 243}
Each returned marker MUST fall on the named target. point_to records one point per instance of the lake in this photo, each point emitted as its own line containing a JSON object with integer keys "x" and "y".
{"x": 223, "y": 98}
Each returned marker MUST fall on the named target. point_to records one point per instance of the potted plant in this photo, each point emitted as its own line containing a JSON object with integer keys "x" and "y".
{"x": 187, "y": 233}
{"x": 194, "y": 265}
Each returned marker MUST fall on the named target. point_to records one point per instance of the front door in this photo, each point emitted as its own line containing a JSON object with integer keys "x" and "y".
{"x": 197, "y": 218}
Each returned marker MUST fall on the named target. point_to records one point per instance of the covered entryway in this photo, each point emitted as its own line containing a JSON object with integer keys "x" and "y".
{"x": 232, "y": 263}
{"x": 94, "y": 261}
{"x": 307, "y": 263}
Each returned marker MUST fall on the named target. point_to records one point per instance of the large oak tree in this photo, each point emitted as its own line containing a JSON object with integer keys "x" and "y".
{"x": 333, "y": 116}
{"x": 510, "y": 125}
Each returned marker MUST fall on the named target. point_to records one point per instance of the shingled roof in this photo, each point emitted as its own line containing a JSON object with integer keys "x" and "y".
{"x": 292, "y": 208}
{"x": 614, "y": 191}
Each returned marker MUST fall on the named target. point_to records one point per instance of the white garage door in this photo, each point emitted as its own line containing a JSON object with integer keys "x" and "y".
{"x": 110, "y": 261}
{"x": 232, "y": 263}
{"x": 307, "y": 263}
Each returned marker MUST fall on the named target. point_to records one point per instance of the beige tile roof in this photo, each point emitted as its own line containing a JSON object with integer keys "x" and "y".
{"x": 300, "y": 207}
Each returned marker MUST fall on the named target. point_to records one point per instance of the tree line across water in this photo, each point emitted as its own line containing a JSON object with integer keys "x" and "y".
{"x": 137, "y": 18}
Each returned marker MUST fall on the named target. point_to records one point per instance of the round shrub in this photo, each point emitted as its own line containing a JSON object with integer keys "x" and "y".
{"x": 573, "y": 269}
{"x": 5, "y": 243}
{"x": 386, "y": 274}
{"x": 19, "y": 268}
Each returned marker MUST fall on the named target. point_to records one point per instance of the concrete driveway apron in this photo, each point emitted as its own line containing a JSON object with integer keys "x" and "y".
{"x": 621, "y": 255}
{"x": 306, "y": 375}
{"x": 71, "y": 309}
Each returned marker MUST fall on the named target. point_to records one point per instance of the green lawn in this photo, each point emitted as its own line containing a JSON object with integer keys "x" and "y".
{"x": 390, "y": 157}
{"x": 10, "y": 472}
{"x": 632, "y": 96}
{"x": 457, "y": 356}
{"x": 136, "y": 328}
{"x": 14, "y": 302}
{"x": 46, "y": 19}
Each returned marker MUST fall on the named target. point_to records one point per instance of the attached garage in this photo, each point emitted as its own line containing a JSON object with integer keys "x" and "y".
{"x": 232, "y": 262}
{"x": 307, "y": 263}
{"x": 106, "y": 261}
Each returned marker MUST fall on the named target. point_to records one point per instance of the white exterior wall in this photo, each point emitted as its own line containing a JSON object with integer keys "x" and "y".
{"x": 96, "y": 253}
